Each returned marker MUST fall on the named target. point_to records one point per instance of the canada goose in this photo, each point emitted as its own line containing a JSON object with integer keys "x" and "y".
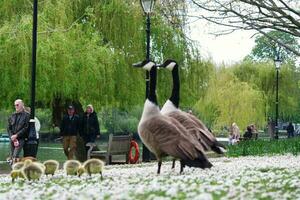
{"x": 93, "y": 166}
{"x": 51, "y": 166}
{"x": 164, "y": 135}
{"x": 71, "y": 167}
{"x": 32, "y": 171}
{"x": 193, "y": 125}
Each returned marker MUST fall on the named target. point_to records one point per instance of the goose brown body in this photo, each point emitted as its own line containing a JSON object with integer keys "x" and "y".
{"x": 198, "y": 131}
{"x": 166, "y": 136}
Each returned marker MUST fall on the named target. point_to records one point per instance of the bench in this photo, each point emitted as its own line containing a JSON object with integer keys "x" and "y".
{"x": 117, "y": 145}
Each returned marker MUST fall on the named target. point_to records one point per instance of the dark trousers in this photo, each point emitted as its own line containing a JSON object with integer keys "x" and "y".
{"x": 30, "y": 148}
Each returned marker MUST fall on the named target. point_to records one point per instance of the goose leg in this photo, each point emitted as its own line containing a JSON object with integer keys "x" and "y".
{"x": 182, "y": 165}
{"x": 159, "y": 166}
{"x": 173, "y": 164}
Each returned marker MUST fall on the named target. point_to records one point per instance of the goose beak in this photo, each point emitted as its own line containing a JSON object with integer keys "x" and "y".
{"x": 169, "y": 64}
{"x": 138, "y": 65}
{"x": 146, "y": 64}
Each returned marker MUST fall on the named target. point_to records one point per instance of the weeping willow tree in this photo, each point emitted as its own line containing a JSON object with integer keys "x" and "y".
{"x": 262, "y": 75}
{"x": 229, "y": 100}
{"x": 85, "y": 52}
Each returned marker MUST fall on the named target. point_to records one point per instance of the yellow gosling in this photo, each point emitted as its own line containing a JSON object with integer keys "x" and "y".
{"x": 27, "y": 162}
{"x": 80, "y": 171}
{"x": 33, "y": 171}
{"x": 93, "y": 166}
{"x": 33, "y": 159}
{"x": 71, "y": 167}
{"x": 51, "y": 166}
{"x": 17, "y": 165}
{"x": 16, "y": 173}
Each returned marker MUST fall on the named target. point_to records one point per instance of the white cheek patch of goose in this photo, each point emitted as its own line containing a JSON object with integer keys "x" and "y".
{"x": 267, "y": 177}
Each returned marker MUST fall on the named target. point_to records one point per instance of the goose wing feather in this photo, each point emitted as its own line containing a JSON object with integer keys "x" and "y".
{"x": 170, "y": 137}
{"x": 190, "y": 122}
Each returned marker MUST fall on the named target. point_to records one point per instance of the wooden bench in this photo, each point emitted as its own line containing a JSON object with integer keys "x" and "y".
{"x": 117, "y": 145}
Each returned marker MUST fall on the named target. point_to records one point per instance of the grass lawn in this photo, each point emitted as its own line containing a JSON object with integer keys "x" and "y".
{"x": 265, "y": 177}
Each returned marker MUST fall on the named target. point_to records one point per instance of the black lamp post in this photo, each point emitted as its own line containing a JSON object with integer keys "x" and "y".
{"x": 30, "y": 148}
{"x": 277, "y": 62}
{"x": 147, "y": 6}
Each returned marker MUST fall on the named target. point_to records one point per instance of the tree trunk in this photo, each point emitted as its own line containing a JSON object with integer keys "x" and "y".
{"x": 57, "y": 111}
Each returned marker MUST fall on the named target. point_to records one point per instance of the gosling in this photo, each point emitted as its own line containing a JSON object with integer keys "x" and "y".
{"x": 51, "y": 166}
{"x": 93, "y": 166}
{"x": 16, "y": 173}
{"x": 17, "y": 165}
{"x": 71, "y": 167}
{"x": 33, "y": 171}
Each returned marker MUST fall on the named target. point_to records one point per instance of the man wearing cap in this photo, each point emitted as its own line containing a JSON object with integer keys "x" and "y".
{"x": 69, "y": 130}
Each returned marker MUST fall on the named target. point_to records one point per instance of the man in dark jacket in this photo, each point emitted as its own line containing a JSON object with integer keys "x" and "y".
{"x": 248, "y": 133}
{"x": 69, "y": 130}
{"x": 290, "y": 130}
{"x": 18, "y": 125}
{"x": 90, "y": 125}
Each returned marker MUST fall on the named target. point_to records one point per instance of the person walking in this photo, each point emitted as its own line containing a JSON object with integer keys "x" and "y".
{"x": 290, "y": 130}
{"x": 18, "y": 125}
{"x": 69, "y": 130}
{"x": 234, "y": 135}
{"x": 89, "y": 126}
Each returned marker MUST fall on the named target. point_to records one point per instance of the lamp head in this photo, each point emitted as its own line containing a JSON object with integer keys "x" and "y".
{"x": 147, "y": 6}
{"x": 278, "y": 62}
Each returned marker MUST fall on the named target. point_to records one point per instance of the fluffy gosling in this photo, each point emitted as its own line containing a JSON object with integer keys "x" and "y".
{"x": 71, "y": 167}
{"x": 51, "y": 166}
{"x": 16, "y": 173}
{"x": 17, "y": 165}
{"x": 93, "y": 166}
{"x": 33, "y": 159}
{"x": 33, "y": 171}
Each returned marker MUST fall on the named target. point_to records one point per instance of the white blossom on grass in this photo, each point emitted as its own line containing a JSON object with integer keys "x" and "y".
{"x": 268, "y": 177}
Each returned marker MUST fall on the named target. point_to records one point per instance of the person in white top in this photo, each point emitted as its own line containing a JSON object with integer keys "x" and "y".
{"x": 234, "y": 135}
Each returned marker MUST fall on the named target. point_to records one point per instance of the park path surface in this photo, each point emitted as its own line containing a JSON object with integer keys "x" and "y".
{"x": 266, "y": 177}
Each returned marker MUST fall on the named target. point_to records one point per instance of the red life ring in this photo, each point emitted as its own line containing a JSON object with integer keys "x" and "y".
{"x": 133, "y": 160}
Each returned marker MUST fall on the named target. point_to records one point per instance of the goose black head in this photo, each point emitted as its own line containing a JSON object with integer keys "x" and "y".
{"x": 169, "y": 64}
{"x": 146, "y": 64}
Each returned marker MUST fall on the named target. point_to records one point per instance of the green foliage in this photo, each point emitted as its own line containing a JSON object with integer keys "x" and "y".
{"x": 4, "y": 114}
{"x": 85, "y": 51}
{"x": 229, "y": 100}
{"x": 262, "y": 76}
{"x": 266, "y": 49}
{"x": 118, "y": 121}
{"x": 264, "y": 147}
{"x": 44, "y": 116}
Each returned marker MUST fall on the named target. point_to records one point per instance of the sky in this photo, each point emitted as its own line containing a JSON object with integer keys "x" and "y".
{"x": 226, "y": 49}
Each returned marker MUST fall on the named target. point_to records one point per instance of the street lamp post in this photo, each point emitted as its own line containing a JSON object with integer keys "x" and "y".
{"x": 30, "y": 148}
{"x": 278, "y": 62}
{"x": 33, "y": 64}
{"x": 147, "y": 6}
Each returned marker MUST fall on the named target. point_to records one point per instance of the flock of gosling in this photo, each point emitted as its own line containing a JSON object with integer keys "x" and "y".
{"x": 31, "y": 170}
